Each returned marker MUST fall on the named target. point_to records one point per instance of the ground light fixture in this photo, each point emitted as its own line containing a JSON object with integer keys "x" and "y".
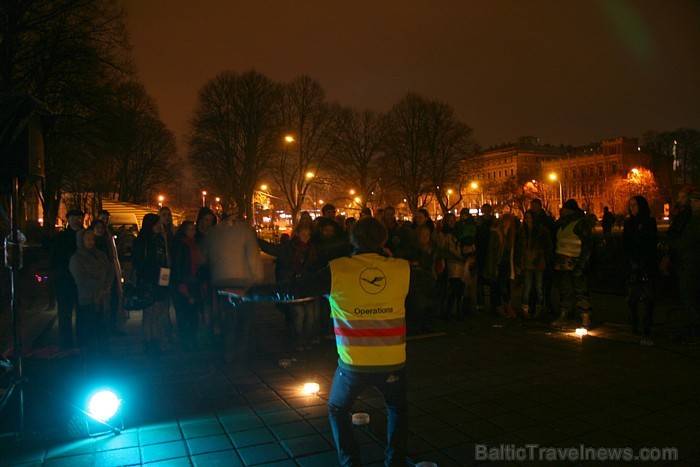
{"x": 311, "y": 388}
{"x": 103, "y": 407}
{"x": 581, "y": 332}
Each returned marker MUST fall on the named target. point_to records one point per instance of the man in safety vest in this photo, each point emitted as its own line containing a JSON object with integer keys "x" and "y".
{"x": 574, "y": 237}
{"x": 367, "y": 293}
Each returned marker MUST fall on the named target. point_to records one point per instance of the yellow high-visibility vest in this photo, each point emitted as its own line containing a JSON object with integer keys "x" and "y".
{"x": 568, "y": 243}
{"x": 367, "y": 306}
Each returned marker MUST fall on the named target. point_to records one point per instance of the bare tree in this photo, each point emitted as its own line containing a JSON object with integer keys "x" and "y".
{"x": 234, "y": 132}
{"x": 67, "y": 53}
{"x": 308, "y": 139}
{"x": 638, "y": 181}
{"x": 139, "y": 153}
{"x": 425, "y": 145}
{"x": 355, "y": 159}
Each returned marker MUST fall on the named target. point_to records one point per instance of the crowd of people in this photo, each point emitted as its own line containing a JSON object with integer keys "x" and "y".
{"x": 472, "y": 264}
{"x": 368, "y": 282}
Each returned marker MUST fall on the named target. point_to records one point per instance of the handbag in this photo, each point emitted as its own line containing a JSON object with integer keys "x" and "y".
{"x": 137, "y": 298}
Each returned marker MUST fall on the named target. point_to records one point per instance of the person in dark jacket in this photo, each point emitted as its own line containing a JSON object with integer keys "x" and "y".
{"x": 400, "y": 237}
{"x": 499, "y": 268}
{"x": 149, "y": 259}
{"x": 296, "y": 259}
{"x": 206, "y": 220}
{"x": 608, "y": 221}
{"x": 639, "y": 237}
{"x": 483, "y": 233}
{"x": 186, "y": 280}
{"x": 93, "y": 276}
{"x": 64, "y": 245}
{"x": 545, "y": 220}
{"x": 688, "y": 247}
{"x": 533, "y": 252}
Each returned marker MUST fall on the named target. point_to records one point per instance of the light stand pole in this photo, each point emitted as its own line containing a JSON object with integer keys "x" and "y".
{"x": 561, "y": 195}
{"x": 554, "y": 177}
{"x": 13, "y": 262}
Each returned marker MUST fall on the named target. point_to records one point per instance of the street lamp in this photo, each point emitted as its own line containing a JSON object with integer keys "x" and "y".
{"x": 553, "y": 177}
{"x": 289, "y": 139}
{"x": 309, "y": 175}
{"x": 263, "y": 187}
{"x": 161, "y": 198}
{"x": 449, "y": 192}
{"x": 204, "y": 198}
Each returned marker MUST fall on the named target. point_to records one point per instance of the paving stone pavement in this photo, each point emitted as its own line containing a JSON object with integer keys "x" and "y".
{"x": 486, "y": 381}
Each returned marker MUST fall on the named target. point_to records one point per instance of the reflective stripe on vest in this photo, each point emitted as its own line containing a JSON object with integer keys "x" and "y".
{"x": 568, "y": 243}
{"x": 367, "y": 306}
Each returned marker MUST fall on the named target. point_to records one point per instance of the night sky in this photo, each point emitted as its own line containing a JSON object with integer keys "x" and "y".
{"x": 567, "y": 72}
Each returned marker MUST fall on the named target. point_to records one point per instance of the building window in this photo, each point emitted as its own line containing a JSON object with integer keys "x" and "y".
{"x": 573, "y": 173}
{"x": 511, "y": 171}
{"x": 613, "y": 169}
{"x": 600, "y": 170}
{"x": 499, "y": 174}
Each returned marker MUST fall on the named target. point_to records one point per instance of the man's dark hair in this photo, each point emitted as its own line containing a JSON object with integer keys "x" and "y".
{"x": 536, "y": 201}
{"x": 368, "y": 234}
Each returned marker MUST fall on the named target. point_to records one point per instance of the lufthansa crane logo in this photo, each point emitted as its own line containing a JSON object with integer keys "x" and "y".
{"x": 372, "y": 280}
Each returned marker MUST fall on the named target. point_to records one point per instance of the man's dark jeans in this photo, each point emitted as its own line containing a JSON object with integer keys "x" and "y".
{"x": 347, "y": 385}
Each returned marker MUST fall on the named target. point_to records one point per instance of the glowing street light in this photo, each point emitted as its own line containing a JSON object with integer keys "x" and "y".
{"x": 553, "y": 177}
{"x": 289, "y": 139}
{"x": 161, "y": 198}
{"x": 309, "y": 175}
{"x": 218, "y": 200}
{"x": 358, "y": 200}
{"x": 204, "y": 198}
{"x": 352, "y": 192}
{"x": 635, "y": 171}
{"x": 263, "y": 187}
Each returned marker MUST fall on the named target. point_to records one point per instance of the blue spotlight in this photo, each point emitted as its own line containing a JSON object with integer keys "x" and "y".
{"x": 103, "y": 412}
{"x": 103, "y": 405}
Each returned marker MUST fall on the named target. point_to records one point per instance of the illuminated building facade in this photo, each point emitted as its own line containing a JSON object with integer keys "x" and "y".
{"x": 584, "y": 176}
{"x": 587, "y": 177}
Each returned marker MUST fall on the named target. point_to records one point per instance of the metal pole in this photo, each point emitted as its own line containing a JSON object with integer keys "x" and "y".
{"x": 14, "y": 266}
